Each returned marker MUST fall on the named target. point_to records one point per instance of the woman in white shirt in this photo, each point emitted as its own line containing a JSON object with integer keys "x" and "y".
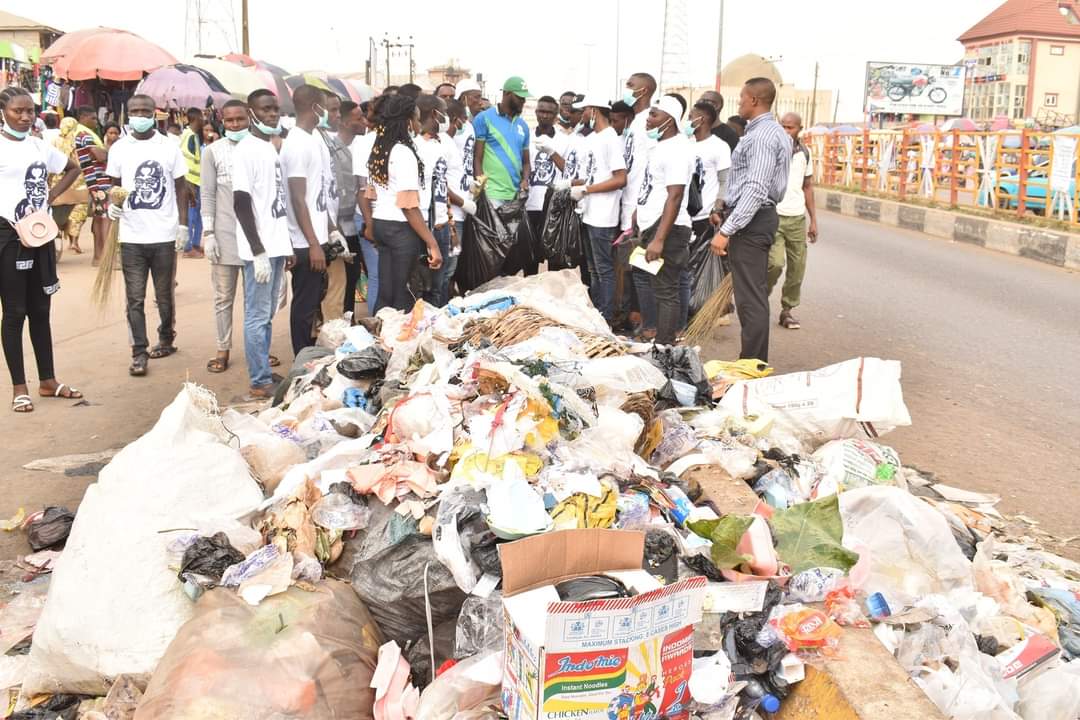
{"x": 395, "y": 175}
{"x": 28, "y": 275}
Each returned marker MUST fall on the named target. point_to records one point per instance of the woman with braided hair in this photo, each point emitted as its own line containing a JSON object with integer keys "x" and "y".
{"x": 395, "y": 176}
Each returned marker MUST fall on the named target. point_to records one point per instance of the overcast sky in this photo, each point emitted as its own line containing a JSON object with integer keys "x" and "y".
{"x": 557, "y": 45}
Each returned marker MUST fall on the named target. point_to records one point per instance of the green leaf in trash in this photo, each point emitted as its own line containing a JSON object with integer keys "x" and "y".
{"x": 808, "y": 535}
{"x": 725, "y": 535}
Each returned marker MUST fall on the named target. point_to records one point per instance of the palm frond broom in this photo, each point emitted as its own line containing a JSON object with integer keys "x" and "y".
{"x": 110, "y": 258}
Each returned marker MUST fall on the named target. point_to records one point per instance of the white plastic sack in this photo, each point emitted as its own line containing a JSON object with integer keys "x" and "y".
{"x": 850, "y": 464}
{"x": 114, "y": 603}
{"x": 559, "y": 295}
{"x": 912, "y": 550}
{"x": 1052, "y": 695}
{"x": 856, "y": 398}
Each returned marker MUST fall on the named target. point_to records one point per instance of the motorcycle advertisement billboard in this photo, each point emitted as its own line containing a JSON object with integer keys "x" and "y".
{"x": 915, "y": 89}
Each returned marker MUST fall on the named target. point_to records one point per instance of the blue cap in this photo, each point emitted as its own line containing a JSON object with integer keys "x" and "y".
{"x": 770, "y": 703}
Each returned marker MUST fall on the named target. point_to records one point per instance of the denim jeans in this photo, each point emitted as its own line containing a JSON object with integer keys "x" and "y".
{"x": 259, "y": 302}
{"x": 399, "y": 251}
{"x": 138, "y": 261}
{"x": 371, "y": 263}
{"x": 441, "y": 280}
{"x": 194, "y": 223}
{"x": 602, "y": 269}
{"x": 645, "y": 298}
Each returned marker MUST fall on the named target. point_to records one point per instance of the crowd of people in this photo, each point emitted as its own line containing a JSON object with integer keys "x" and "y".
{"x": 385, "y": 186}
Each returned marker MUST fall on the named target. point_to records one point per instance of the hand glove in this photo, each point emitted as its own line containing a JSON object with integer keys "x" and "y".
{"x": 477, "y": 186}
{"x": 338, "y": 239}
{"x": 115, "y": 211}
{"x": 468, "y": 205}
{"x": 210, "y": 246}
{"x": 181, "y": 237}
{"x": 545, "y": 144}
{"x": 561, "y": 184}
{"x": 262, "y": 269}
{"x": 577, "y": 192}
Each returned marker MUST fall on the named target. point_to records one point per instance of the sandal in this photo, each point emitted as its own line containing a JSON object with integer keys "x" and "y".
{"x": 71, "y": 394}
{"x": 218, "y": 365}
{"x": 138, "y": 366}
{"x": 264, "y": 392}
{"x": 22, "y": 404}
{"x": 788, "y": 321}
{"x": 161, "y": 351}
{"x": 274, "y": 362}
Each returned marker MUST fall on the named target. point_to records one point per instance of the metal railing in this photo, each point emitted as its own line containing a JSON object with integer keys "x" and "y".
{"x": 1013, "y": 173}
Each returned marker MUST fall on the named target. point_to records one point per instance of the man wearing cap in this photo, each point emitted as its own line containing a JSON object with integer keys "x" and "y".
{"x": 661, "y": 212}
{"x": 756, "y": 184}
{"x": 501, "y": 160}
{"x": 469, "y": 94}
{"x": 598, "y": 191}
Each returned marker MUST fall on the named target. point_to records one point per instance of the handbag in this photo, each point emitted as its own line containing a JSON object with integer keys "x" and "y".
{"x": 37, "y": 229}
{"x": 693, "y": 200}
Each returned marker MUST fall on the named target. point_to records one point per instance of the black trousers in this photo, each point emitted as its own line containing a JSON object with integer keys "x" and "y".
{"x": 24, "y": 299}
{"x": 140, "y": 262}
{"x": 399, "y": 251}
{"x": 749, "y": 253}
{"x": 352, "y": 272}
{"x": 665, "y": 284}
{"x": 308, "y": 289}
{"x": 536, "y": 224}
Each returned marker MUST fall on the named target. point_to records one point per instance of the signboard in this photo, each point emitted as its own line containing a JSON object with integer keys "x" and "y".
{"x": 915, "y": 89}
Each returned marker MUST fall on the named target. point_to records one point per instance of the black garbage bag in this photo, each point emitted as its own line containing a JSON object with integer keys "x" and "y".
{"x": 522, "y": 252}
{"x": 51, "y": 529}
{"x": 364, "y": 364}
{"x": 561, "y": 239}
{"x": 483, "y": 248}
{"x": 57, "y": 707}
{"x": 391, "y": 584}
{"x": 419, "y": 653}
{"x": 206, "y": 559}
{"x": 684, "y": 365}
{"x": 707, "y": 271}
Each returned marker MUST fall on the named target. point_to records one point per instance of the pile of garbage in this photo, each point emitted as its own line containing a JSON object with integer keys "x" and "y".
{"x": 496, "y": 509}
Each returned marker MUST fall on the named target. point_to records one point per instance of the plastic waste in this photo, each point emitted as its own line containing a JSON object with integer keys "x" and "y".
{"x": 850, "y": 464}
{"x": 1053, "y": 694}
{"x": 813, "y": 584}
{"x": 49, "y": 528}
{"x": 303, "y": 653}
{"x": 479, "y": 626}
{"x": 483, "y": 248}
{"x": 805, "y": 628}
{"x": 206, "y": 559}
{"x": 682, "y": 364}
{"x": 1066, "y": 605}
{"x": 270, "y": 457}
{"x": 562, "y": 238}
{"x": 522, "y": 252}
{"x": 710, "y": 679}
{"x": 470, "y": 684}
{"x": 19, "y": 613}
{"x": 707, "y": 269}
{"x": 364, "y": 364}
{"x": 996, "y": 580}
{"x": 338, "y": 512}
{"x": 678, "y": 440}
{"x": 395, "y": 696}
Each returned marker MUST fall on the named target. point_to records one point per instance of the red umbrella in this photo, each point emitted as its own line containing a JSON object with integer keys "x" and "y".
{"x": 107, "y": 54}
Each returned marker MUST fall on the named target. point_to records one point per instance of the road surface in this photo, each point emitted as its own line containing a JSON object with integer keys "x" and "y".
{"x": 990, "y": 346}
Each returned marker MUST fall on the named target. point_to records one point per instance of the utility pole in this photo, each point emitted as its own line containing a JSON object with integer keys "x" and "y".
{"x": 398, "y": 44}
{"x": 244, "y": 27}
{"x": 836, "y": 109}
{"x": 720, "y": 47}
{"x": 813, "y": 97}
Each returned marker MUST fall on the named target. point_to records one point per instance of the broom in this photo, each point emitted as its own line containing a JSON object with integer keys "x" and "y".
{"x": 103, "y": 283}
{"x": 712, "y": 313}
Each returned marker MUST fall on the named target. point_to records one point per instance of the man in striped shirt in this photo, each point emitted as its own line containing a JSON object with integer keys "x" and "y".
{"x": 90, "y": 151}
{"x": 756, "y": 183}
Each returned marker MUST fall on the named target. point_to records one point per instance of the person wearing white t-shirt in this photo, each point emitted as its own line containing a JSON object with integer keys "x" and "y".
{"x": 458, "y": 181}
{"x": 350, "y": 131}
{"x": 638, "y": 95}
{"x": 262, "y": 233}
{"x": 544, "y": 173}
{"x": 789, "y": 243}
{"x": 361, "y": 150}
{"x": 661, "y": 212}
{"x": 395, "y": 174}
{"x": 599, "y": 190}
{"x": 28, "y": 277}
{"x": 151, "y": 169}
{"x": 306, "y": 164}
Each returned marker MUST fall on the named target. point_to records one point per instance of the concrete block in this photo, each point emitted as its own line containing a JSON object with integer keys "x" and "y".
{"x": 890, "y": 213}
{"x": 939, "y": 223}
{"x": 1043, "y": 245}
{"x": 1003, "y": 237}
{"x": 970, "y": 230}
{"x": 912, "y": 218}
{"x": 868, "y": 209}
{"x": 1072, "y": 253}
{"x": 847, "y": 204}
{"x": 832, "y": 201}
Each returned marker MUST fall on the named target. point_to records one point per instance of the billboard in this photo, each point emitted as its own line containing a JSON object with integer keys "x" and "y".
{"x": 915, "y": 89}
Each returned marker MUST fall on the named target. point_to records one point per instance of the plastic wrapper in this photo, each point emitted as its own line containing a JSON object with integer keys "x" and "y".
{"x": 681, "y": 364}
{"x": 479, "y": 626}
{"x": 633, "y": 509}
{"x": 562, "y": 239}
{"x": 49, "y": 529}
{"x": 338, "y": 512}
{"x": 1066, "y": 606}
{"x": 452, "y": 537}
{"x": 300, "y": 654}
{"x": 270, "y": 457}
{"x": 484, "y": 247}
{"x": 810, "y": 586}
{"x": 678, "y": 440}
{"x": 850, "y": 464}
{"x": 469, "y": 685}
{"x": 844, "y": 608}
{"x": 1052, "y": 695}
{"x": 20, "y": 611}
{"x": 805, "y": 628}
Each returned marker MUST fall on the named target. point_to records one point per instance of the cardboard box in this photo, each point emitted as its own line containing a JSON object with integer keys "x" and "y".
{"x": 621, "y": 659}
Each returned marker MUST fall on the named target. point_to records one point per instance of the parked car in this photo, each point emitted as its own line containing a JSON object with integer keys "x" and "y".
{"x": 1036, "y": 185}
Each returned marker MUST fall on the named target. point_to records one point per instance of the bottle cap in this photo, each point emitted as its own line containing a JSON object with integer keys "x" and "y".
{"x": 770, "y": 703}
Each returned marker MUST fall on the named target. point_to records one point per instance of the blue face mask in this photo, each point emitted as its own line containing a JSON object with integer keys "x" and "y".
{"x": 17, "y": 134}
{"x": 141, "y": 124}
{"x": 324, "y": 119}
{"x": 656, "y": 132}
{"x": 237, "y": 135}
{"x": 265, "y": 129}
{"x": 688, "y": 129}
{"x": 629, "y": 97}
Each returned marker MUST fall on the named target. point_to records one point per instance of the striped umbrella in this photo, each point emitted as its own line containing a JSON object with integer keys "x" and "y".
{"x": 182, "y": 86}
{"x": 248, "y": 61}
{"x": 275, "y": 81}
{"x": 363, "y": 90}
{"x": 238, "y": 80}
{"x": 309, "y": 78}
{"x": 343, "y": 90}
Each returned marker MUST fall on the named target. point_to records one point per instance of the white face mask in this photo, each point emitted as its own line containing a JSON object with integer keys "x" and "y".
{"x": 444, "y": 125}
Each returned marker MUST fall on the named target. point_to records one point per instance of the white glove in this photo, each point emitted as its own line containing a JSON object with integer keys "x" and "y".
{"x": 577, "y": 192}
{"x": 262, "y": 269}
{"x": 336, "y": 238}
{"x": 545, "y": 144}
{"x": 468, "y": 205}
{"x": 210, "y": 246}
{"x": 181, "y": 237}
{"x": 561, "y": 184}
{"x": 476, "y": 186}
{"x": 115, "y": 211}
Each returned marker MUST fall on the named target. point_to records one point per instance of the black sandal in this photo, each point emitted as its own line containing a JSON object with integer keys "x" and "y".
{"x": 162, "y": 351}
{"x": 138, "y": 366}
{"x": 218, "y": 365}
{"x": 274, "y": 362}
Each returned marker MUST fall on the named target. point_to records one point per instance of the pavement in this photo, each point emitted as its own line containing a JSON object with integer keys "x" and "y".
{"x": 989, "y": 344}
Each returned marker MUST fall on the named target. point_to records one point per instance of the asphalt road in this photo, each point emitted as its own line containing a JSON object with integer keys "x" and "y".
{"x": 990, "y": 346}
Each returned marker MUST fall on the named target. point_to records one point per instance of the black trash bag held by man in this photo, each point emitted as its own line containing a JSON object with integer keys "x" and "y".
{"x": 562, "y": 231}
{"x": 484, "y": 246}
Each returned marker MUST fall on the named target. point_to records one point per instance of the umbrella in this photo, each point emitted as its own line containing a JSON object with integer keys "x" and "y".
{"x": 238, "y": 80}
{"x": 925, "y": 129}
{"x": 69, "y": 41}
{"x": 1001, "y": 122}
{"x": 846, "y": 130}
{"x": 343, "y": 89}
{"x": 13, "y": 51}
{"x": 248, "y": 61}
{"x": 183, "y": 86}
{"x": 308, "y": 78}
{"x": 107, "y": 54}
{"x": 362, "y": 89}
{"x": 1073, "y": 130}
{"x": 961, "y": 124}
{"x": 275, "y": 82}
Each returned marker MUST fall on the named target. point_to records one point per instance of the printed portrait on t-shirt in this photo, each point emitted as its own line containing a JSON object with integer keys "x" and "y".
{"x": 628, "y": 149}
{"x": 149, "y": 193}
{"x": 468, "y": 152}
{"x": 570, "y": 165}
{"x": 277, "y": 208}
{"x": 320, "y": 199}
{"x": 590, "y": 168}
{"x": 438, "y": 186}
{"x": 37, "y": 190}
{"x": 646, "y": 187}
{"x": 699, "y": 169}
{"x": 543, "y": 170}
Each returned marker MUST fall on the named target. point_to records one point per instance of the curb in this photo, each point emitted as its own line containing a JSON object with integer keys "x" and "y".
{"x": 1052, "y": 247}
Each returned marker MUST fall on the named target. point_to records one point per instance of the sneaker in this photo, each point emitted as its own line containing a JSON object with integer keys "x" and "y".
{"x": 788, "y": 321}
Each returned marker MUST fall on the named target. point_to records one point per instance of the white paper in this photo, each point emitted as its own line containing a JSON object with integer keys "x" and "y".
{"x": 515, "y": 507}
{"x": 954, "y": 494}
{"x": 637, "y": 259}
{"x": 735, "y": 596}
{"x": 688, "y": 461}
{"x": 485, "y": 585}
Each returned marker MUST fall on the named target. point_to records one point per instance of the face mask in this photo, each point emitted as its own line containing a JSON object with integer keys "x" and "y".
{"x": 444, "y": 125}
{"x": 17, "y": 134}
{"x": 688, "y": 131}
{"x": 656, "y": 132}
{"x": 324, "y": 119}
{"x": 141, "y": 124}
{"x": 265, "y": 129}
{"x": 563, "y": 119}
{"x": 629, "y": 97}
{"x": 237, "y": 135}
{"x": 579, "y": 127}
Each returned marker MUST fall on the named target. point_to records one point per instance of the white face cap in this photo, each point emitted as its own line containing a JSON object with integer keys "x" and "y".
{"x": 590, "y": 100}
{"x": 672, "y": 107}
{"x": 465, "y": 86}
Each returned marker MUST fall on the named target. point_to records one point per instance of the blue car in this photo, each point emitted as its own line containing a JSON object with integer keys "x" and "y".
{"x": 1036, "y": 186}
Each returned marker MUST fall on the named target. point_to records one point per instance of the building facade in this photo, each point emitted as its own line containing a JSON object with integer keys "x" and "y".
{"x": 1023, "y": 62}
{"x": 30, "y": 34}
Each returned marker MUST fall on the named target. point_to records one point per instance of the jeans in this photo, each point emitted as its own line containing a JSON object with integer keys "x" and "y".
{"x": 602, "y": 269}
{"x": 370, "y": 253}
{"x": 24, "y": 299}
{"x": 646, "y": 300}
{"x": 789, "y": 247}
{"x": 665, "y": 284}
{"x": 399, "y": 251}
{"x": 749, "y": 250}
{"x": 308, "y": 288}
{"x": 441, "y": 277}
{"x": 224, "y": 279}
{"x": 194, "y": 223}
{"x": 259, "y": 302}
{"x": 157, "y": 260}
